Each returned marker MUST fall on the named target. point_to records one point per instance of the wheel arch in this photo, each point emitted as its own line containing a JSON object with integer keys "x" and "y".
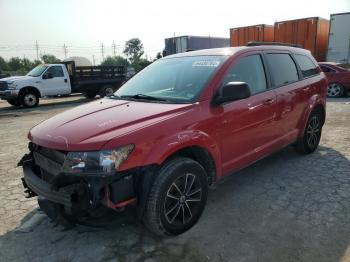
{"x": 316, "y": 103}
{"x": 200, "y": 155}
{"x": 30, "y": 88}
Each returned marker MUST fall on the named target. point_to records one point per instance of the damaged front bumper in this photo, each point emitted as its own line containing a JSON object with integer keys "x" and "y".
{"x": 77, "y": 193}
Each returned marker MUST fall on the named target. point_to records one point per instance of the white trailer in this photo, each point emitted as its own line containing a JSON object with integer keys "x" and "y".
{"x": 339, "y": 38}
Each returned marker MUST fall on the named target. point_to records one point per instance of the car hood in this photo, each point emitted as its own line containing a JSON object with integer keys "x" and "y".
{"x": 16, "y": 78}
{"x": 90, "y": 126}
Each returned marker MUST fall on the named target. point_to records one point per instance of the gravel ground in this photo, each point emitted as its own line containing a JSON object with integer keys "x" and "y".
{"x": 287, "y": 207}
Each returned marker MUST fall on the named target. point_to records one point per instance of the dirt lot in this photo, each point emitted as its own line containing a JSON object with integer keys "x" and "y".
{"x": 286, "y": 207}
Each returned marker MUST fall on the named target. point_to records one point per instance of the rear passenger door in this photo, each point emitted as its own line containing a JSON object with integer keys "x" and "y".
{"x": 247, "y": 126}
{"x": 292, "y": 93}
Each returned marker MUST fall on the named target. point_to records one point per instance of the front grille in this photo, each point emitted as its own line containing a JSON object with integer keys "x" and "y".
{"x": 48, "y": 161}
{"x": 3, "y": 85}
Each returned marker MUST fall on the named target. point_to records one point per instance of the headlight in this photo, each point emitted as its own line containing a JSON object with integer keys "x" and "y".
{"x": 104, "y": 162}
{"x": 11, "y": 85}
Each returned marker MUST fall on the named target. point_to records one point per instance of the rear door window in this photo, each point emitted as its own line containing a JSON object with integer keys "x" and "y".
{"x": 308, "y": 68}
{"x": 282, "y": 68}
{"x": 249, "y": 69}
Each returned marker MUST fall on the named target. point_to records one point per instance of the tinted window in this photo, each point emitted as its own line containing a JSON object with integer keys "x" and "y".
{"x": 56, "y": 71}
{"x": 249, "y": 69}
{"x": 308, "y": 68}
{"x": 282, "y": 68}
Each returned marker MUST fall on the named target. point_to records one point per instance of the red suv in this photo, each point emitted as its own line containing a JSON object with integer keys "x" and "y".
{"x": 180, "y": 125}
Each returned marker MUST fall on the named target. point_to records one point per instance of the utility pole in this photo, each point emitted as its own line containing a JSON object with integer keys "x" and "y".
{"x": 113, "y": 46}
{"x": 37, "y": 50}
{"x": 65, "y": 50}
{"x": 93, "y": 60}
{"x": 103, "y": 52}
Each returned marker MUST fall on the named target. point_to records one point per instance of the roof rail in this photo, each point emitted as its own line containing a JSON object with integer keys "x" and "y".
{"x": 272, "y": 43}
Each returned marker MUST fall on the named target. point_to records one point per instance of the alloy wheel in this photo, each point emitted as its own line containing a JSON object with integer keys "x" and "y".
{"x": 183, "y": 199}
{"x": 334, "y": 90}
{"x": 313, "y": 131}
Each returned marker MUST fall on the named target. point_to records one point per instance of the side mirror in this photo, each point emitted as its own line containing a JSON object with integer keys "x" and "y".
{"x": 232, "y": 91}
{"x": 47, "y": 76}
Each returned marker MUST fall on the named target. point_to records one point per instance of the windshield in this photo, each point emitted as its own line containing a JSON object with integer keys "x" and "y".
{"x": 178, "y": 80}
{"x": 37, "y": 71}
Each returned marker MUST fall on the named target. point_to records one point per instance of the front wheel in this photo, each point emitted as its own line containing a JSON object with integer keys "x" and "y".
{"x": 177, "y": 197}
{"x": 335, "y": 90}
{"x": 312, "y": 134}
{"x": 29, "y": 99}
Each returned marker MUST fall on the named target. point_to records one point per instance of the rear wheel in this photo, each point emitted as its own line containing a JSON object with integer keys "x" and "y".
{"x": 335, "y": 90}
{"x": 312, "y": 134}
{"x": 106, "y": 91}
{"x": 177, "y": 197}
{"x": 29, "y": 99}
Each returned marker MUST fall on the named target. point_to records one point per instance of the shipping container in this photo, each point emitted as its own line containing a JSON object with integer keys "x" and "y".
{"x": 256, "y": 33}
{"x": 181, "y": 44}
{"x": 339, "y": 38}
{"x": 311, "y": 33}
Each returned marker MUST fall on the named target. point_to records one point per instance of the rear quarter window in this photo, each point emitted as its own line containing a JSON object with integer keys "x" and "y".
{"x": 282, "y": 68}
{"x": 307, "y": 67}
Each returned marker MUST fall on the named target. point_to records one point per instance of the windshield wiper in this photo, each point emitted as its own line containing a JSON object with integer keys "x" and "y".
{"x": 144, "y": 97}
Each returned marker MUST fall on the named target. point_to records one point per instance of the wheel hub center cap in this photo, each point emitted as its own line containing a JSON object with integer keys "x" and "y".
{"x": 182, "y": 199}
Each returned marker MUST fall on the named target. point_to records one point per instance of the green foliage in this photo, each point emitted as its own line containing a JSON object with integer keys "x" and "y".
{"x": 3, "y": 64}
{"x": 159, "y": 55}
{"x": 115, "y": 61}
{"x": 14, "y": 63}
{"x": 133, "y": 49}
{"x": 140, "y": 64}
{"x": 50, "y": 59}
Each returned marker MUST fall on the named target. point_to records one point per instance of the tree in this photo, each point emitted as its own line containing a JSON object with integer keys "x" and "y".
{"x": 115, "y": 61}
{"x": 133, "y": 49}
{"x": 159, "y": 55}
{"x": 140, "y": 64}
{"x": 50, "y": 59}
{"x": 14, "y": 64}
{"x": 3, "y": 64}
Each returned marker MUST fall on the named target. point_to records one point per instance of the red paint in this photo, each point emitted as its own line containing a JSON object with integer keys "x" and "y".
{"x": 235, "y": 134}
{"x": 337, "y": 75}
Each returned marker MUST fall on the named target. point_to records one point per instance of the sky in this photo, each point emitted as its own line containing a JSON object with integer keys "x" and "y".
{"x": 83, "y": 25}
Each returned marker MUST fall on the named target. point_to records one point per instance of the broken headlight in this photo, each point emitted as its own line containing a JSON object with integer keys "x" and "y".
{"x": 96, "y": 162}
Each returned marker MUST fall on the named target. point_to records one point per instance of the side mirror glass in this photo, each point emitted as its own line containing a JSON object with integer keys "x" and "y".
{"x": 232, "y": 91}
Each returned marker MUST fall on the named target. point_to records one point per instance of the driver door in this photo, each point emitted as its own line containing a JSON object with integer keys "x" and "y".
{"x": 58, "y": 84}
{"x": 247, "y": 126}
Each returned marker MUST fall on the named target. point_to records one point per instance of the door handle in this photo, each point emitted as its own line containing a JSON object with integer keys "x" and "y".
{"x": 65, "y": 80}
{"x": 269, "y": 101}
{"x": 306, "y": 88}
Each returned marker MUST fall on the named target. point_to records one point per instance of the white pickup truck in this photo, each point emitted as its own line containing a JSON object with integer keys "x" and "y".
{"x": 61, "y": 79}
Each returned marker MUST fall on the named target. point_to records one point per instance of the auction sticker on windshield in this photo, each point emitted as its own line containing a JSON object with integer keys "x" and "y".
{"x": 206, "y": 63}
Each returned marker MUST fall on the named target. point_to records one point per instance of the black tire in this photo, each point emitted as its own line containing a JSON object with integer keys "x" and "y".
{"x": 312, "y": 133}
{"x": 106, "y": 91}
{"x": 29, "y": 99}
{"x": 90, "y": 94}
{"x": 177, "y": 197}
{"x": 13, "y": 102}
{"x": 335, "y": 90}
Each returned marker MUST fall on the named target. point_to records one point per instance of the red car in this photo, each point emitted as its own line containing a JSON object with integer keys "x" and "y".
{"x": 180, "y": 125}
{"x": 338, "y": 79}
